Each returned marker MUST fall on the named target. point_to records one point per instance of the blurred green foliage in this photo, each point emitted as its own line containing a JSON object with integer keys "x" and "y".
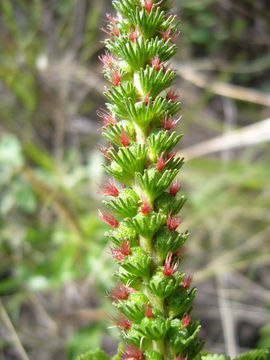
{"x": 50, "y": 236}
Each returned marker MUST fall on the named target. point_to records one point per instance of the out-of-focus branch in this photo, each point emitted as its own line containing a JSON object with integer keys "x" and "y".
{"x": 222, "y": 88}
{"x": 249, "y": 135}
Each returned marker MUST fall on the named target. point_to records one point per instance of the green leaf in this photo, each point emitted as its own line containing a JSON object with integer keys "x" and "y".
{"x": 155, "y": 81}
{"x": 146, "y": 224}
{"x": 215, "y": 357}
{"x": 161, "y": 140}
{"x": 154, "y": 182}
{"x": 259, "y": 354}
{"x": 126, "y": 204}
{"x": 94, "y": 355}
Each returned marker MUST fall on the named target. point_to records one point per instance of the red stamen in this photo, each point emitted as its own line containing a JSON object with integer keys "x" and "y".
{"x": 148, "y": 311}
{"x": 146, "y": 208}
{"x": 186, "y": 320}
{"x": 180, "y": 356}
{"x": 108, "y": 218}
{"x": 146, "y": 99}
{"x": 168, "y": 35}
{"x": 161, "y": 162}
{"x": 110, "y": 189}
{"x": 121, "y": 252}
{"x": 149, "y": 4}
{"x": 108, "y": 119}
{"x": 134, "y": 34}
{"x": 122, "y": 322}
{"x": 186, "y": 282}
{"x": 168, "y": 268}
{"x": 172, "y": 95}
{"x": 156, "y": 63}
{"x": 115, "y": 30}
{"x": 119, "y": 292}
{"x": 107, "y": 60}
{"x": 173, "y": 222}
{"x": 174, "y": 188}
{"x": 132, "y": 353}
{"x": 124, "y": 139}
{"x": 168, "y": 123}
{"x": 116, "y": 76}
{"x": 104, "y": 150}
{"x": 108, "y": 33}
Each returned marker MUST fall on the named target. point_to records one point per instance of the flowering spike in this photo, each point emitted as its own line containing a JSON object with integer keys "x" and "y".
{"x": 148, "y": 311}
{"x": 108, "y": 218}
{"x": 186, "y": 320}
{"x": 186, "y": 282}
{"x": 119, "y": 292}
{"x": 168, "y": 268}
{"x": 173, "y": 222}
{"x": 124, "y": 139}
{"x": 161, "y": 162}
{"x": 152, "y": 294}
{"x": 174, "y": 188}
{"x": 172, "y": 95}
{"x": 110, "y": 189}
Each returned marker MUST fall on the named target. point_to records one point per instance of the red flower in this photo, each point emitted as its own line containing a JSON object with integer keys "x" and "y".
{"x": 172, "y": 95}
{"x": 167, "y": 34}
{"x": 122, "y": 322}
{"x": 116, "y": 76}
{"x": 146, "y": 208}
{"x": 119, "y": 292}
{"x": 149, "y": 4}
{"x": 156, "y": 63}
{"x": 186, "y": 282}
{"x": 110, "y": 189}
{"x": 124, "y": 138}
{"x": 186, "y": 320}
{"x": 161, "y": 162}
{"x": 168, "y": 123}
{"x": 180, "y": 356}
{"x": 108, "y": 119}
{"x": 132, "y": 353}
{"x": 168, "y": 268}
{"x": 104, "y": 150}
{"x": 173, "y": 222}
{"x": 108, "y": 218}
{"x": 174, "y": 188}
{"x": 121, "y": 252}
{"x": 146, "y": 99}
{"x": 134, "y": 34}
{"x": 148, "y": 311}
{"x": 107, "y": 60}
{"x": 114, "y": 30}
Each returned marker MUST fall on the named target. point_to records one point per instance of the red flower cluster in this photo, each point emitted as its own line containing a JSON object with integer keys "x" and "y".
{"x": 186, "y": 320}
{"x": 108, "y": 218}
{"x": 173, "y": 222}
{"x": 186, "y": 282}
{"x": 174, "y": 188}
{"x": 121, "y": 252}
{"x": 169, "y": 269}
{"x": 132, "y": 353}
{"x": 110, "y": 189}
{"x": 168, "y": 123}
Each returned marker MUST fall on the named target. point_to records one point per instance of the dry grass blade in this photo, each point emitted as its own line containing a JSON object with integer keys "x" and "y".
{"x": 222, "y": 88}
{"x": 249, "y": 135}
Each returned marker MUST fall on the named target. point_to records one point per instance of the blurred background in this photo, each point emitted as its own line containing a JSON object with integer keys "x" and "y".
{"x": 55, "y": 265}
